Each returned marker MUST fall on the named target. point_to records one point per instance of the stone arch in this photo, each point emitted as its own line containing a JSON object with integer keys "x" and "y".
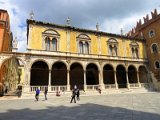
{"x": 59, "y": 74}
{"x": 94, "y": 64}
{"x": 83, "y": 36}
{"x": 69, "y": 66}
{"x": 92, "y": 74}
{"x": 39, "y": 73}
{"x": 64, "y": 62}
{"x": 8, "y": 58}
{"x": 143, "y": 74}
{"x": 39, "y": 60}
{"x": 11, "y": 72}
{"x": 132, "y": 74}
{"x": 108, "y": 74}
{"x": 109, "y": 64}
{"x": 121, "y": 76}
{"x": 76, "y": 75}
{"x": 51, "y": 31}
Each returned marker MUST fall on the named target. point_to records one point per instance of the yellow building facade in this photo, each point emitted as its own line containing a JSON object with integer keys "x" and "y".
{"x": 89, "y": 59}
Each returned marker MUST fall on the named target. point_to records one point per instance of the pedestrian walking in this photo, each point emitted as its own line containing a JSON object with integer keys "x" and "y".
{"x": 73, "y": 96}
{"x": 77, "y": 93}
{"x": 45, "y": 93}
{"x": 37, "y": 94}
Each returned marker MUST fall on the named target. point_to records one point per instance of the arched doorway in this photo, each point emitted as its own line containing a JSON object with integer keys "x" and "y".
{"x": 59, "y": 74}
{"x": 11, "y": 74}
{"x": 132, "y": 74}
{"x": 39, "y": 74}
{"x": 121, "y": 76}
{"x": 143, "y": 75}
{"x": 76, "y": 76}
{"x": 92, "y": 74}
{"x": 108, "y": 74}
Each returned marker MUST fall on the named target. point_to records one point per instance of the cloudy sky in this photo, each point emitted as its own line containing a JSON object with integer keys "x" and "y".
{"x": 112, "y": 15}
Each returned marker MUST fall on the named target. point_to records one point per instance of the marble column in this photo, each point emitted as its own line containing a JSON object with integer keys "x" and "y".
{"x": 68, "y": 80}
{"x": 85, "y": 84}
{"x": 115, "y": 78}
{"x": 138, "y": 79}
{"x": 127, "y": 80}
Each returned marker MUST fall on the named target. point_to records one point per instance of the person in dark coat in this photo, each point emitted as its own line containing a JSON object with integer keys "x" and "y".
{"x": 73, "y": 96}
{"x": 77, "y": 93}
{"x": 45, "y": 93}
{"x": 37, "y": 94}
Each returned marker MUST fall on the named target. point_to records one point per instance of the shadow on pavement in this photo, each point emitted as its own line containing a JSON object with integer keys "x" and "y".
{"x": 76, "y": 111}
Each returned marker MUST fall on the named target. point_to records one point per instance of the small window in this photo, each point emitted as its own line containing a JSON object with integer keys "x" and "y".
{"x": 154, "y": 48}
{"x": 83, "y": 43}
{"x": 151, "y": 33}
{"x": 80, "y": 47}
{"x": 47, "y": 43}
{"x": 157, "y": 65}
{"x": 54, "y": 44}
{"x": 112, "y": 47}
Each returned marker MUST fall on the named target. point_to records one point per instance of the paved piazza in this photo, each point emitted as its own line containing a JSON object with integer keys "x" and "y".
{"x": 144, "y": 106}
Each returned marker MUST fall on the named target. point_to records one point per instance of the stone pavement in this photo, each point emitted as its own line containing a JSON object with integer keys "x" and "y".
{"x": 135, "y": 106}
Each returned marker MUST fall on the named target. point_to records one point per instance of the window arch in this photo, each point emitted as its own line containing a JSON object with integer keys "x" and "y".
{"x": 83, "y": 43}
{"x": 113, "y": 47}
{"x": 51, "y": 40}
{"x": 151, "y": 33}
{"x": 157, "y": 65}
{"x": 154, "y": 48}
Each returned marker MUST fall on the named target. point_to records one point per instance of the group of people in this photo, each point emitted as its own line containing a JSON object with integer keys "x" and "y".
{"x": 75, "y": 94}
{"x": 38, "y": 92}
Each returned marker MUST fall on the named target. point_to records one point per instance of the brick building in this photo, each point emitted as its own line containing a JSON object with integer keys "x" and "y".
{"x": 149, "y": 29}
{"x": 5, "y": 46}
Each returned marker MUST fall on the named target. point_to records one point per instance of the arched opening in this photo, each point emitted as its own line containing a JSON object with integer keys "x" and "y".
{"x": 92, "y": 74}
{"x": 108, "y": 74}
{"x": 11, "y": 76}
{"x": 132, "y": 74}
{"x": 39, "y": 74}
{"x": 121, "y": 76}
{"x": 143, "y": 74}
{"x": 59, "y": 74}
{"x": 76, "y": 76}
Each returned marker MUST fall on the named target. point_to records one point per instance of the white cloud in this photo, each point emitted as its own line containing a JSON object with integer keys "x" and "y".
{"x": 115, "y": 25}
{"x": 111, "y": 15}
{"x": 18, "y": 26}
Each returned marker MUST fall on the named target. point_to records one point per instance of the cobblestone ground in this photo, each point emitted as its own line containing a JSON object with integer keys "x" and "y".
{"x": 144, "y": 106}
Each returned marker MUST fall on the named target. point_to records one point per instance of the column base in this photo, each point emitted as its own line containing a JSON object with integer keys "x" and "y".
{"x": 68, "y": 88}
{"x": 128, "y": 85}
{"x": 26, "y": 89}
{"x": 102, "y": 86}
{"x": 49, "y": 88}
{"x": 85, "y": 87}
